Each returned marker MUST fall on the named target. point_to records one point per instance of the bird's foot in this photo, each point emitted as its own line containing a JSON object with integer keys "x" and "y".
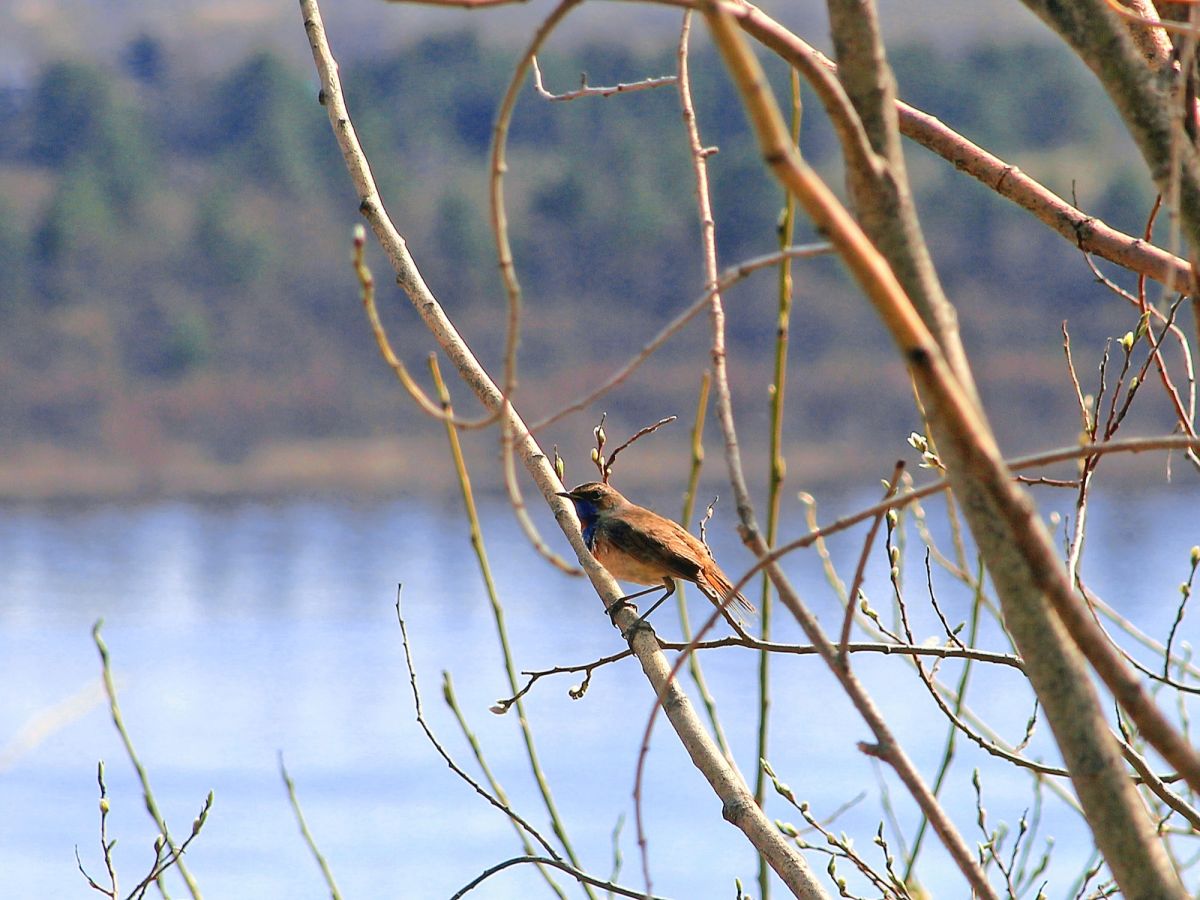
{"x": 617, "y": 606}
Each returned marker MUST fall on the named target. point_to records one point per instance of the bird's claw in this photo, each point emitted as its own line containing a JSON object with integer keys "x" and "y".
{"x": 617, "y": 606}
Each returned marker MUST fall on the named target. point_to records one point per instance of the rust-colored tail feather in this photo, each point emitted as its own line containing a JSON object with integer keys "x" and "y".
{"x": 724, "y": 587}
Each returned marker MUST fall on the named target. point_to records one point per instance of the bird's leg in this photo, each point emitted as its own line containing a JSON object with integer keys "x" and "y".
{"x": 621, "y": 602}
{"x": 669, "y": 586}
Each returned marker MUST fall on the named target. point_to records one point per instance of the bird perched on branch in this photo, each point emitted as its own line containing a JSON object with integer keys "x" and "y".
{"x": 638, "y": 545}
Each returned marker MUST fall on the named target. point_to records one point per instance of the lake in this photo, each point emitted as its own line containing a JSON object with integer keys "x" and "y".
{"x": 242, "y": 630}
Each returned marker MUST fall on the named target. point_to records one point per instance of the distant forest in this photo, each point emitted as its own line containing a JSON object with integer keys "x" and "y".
{"x": 174, "y": 246}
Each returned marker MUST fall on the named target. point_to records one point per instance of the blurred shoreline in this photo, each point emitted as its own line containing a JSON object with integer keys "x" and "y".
{"x": 418, "y": 465}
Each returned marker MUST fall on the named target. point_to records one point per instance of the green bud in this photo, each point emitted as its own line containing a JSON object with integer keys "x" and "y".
{"x": 1127, "y": 341}
{"x": 1143, "y": 325}
{"x": 104, "y": 805}
{"x": 1195, "y": 555}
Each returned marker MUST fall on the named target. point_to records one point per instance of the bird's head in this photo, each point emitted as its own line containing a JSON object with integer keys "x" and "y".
{"x": 593, "y": 498}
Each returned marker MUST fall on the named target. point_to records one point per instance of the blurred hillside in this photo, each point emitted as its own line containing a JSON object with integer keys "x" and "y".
{"x": 177, "y": 311}
{"x": 207, "y": 35}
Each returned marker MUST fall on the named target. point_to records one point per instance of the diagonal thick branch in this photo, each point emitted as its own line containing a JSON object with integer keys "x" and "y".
{"x": 1019, "y": 551}
{"x": 738, "y": 803}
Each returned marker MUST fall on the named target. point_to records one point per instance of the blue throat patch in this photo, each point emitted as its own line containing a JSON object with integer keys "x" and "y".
{"x": 589, "y": 516}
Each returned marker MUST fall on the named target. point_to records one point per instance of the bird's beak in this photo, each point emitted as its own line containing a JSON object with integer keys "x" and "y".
{"x": 564, "y": 494}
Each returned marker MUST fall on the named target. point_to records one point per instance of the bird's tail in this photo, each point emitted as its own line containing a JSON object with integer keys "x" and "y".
{"x": 723, "y": 587}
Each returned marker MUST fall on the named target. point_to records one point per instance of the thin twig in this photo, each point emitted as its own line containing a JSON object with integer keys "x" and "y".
{"x": 606, "y": 469}
{"x": 1185, "y": 591}
{"x": 751, "y": 643}
{"x": 728, "y": 277}
{"x": 861, "y": 568}
{"x": 694, "y": 668}
{"x": 1186, "y": 417}
{"x": 512, "y": 286}
{"x": 1037, "y": 460}
{"x": 778, "y": 470}
{"x": 485, "y": 569}
{"x": 105, "y": 845}
{"x": 161, "y": 863}
{"x": 366, "y": 283}
{"x": 452, "y": 701}
{"x": 580, "y": 876}
{"x": 309, "y": 840}
{"x": 587, "y": 90}
{"x": 948, "y": 750}
{"x": 445, "y": 755}
{"x": 147, "y": 792}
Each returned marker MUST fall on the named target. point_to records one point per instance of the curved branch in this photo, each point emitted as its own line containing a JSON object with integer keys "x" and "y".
{"x": 582, "y": 877}
{"x": 1087, "y": 232}
{"x": 512, "y": 286}
{"x": 1103, "y": 42}
{"x": 366, "y": 283}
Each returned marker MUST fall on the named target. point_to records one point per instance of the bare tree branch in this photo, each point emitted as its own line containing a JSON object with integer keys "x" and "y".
{"x": 726, "y": 782}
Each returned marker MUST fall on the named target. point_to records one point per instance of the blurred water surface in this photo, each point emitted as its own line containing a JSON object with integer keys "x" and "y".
{"x": 239, "y": 631}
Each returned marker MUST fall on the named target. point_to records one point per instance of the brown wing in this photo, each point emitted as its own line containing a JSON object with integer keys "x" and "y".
{"x": 653, "y": 540}
{"x": 709, "y": 577}
{"x": 648, "y": 537}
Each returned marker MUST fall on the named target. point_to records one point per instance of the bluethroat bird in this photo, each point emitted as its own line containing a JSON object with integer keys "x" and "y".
{"x": 638, "y": 545}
